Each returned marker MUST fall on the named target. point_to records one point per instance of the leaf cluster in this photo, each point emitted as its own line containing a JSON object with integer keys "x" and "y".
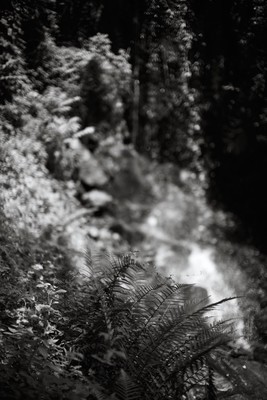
{"x": 142, "y": 335}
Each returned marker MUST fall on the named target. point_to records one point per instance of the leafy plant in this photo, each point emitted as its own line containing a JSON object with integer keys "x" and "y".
{"x": 13, "y": 78}
{"x": 142, "y": 336}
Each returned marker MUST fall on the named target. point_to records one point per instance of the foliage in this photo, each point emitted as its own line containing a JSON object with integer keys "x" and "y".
{"x": 26, "y": 28}
{"x": 77, "y": 20}
{"x": 105, "y": 85}
{"x": 143, "y": 329}
{"x": 13, "y": 78}
{"x": 54, "y": 132}
{"x": 32, "y": 134}
{"x": 201, "y": 80}
{"x": 69, "y": 63}
{"x": 126, "y": 332}
{"x": 169, "y": 117}
{"x": 33, "y": 363}
{"x": 28, "y": 314}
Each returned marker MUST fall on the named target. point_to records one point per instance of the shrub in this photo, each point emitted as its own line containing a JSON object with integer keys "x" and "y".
{"x": 105, "y": 85}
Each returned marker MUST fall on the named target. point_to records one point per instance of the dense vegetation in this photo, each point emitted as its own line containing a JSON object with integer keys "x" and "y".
{"x": 181, "y": 82}
{"x": 119, "y": 334}
{"x": 198, "y": 89}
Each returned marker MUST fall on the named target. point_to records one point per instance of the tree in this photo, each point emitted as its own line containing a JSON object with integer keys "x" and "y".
{"x": 77, "y": 20}
{"x": 168, "y": 116}
{"x": 233, "y": 62}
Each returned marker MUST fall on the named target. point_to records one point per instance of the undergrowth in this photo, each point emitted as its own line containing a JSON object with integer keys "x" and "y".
{"x": 124, "y": 332}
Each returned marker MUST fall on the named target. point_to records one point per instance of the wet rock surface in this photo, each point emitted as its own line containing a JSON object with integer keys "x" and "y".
{"x": 91, "y": 173}
{"x": 132, "y": 235}
{"x": 97, "y": 199}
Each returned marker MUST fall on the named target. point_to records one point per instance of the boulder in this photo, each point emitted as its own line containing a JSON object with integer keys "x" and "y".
{"x": 91, "y": 173}
{"x": 98, "y": 199}
{"x": 88, "y": 131}
{"x": 88, "y": 137}
{"x": 130, "y": 233}
{"x": 128, "y": 171}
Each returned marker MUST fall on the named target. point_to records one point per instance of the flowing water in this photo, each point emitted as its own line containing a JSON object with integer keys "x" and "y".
{"x": 177, "y": 231}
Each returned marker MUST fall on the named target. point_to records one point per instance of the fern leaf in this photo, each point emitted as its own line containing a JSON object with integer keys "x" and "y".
{"x": 160, "y": 304}
{"x": 125, "y": 388}
{"x": 211, "y": 388}
{"x": 156, "y": 332}
{"x": 98, "y": 391}
{"x": 171, "y": 336}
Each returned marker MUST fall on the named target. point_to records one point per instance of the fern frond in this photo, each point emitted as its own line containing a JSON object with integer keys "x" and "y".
{"x": 125, "y": 388}
{"x": 98, "y": 263}
{"x": 98, "y": 392}
{"x": 157, "y": 305}
{"x": 152, "y": 329}
{"x": 211, "y": 388}
{"x": 171, "y": 336}
{"x": 191, "y": 342}
{"x": 186, "y": 318}
{"x": 116, "y": 272}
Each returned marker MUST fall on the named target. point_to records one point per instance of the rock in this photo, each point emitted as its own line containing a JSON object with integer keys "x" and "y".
{"x": 88, "y": 131}
{"x": 97, "y": 199}
{"x": 90, "y": 172}
{"x": 198, "y": 293}
{"x": 128, "y": 170}
{"x": 246, "y": 377}
{"x": 254, "y": 376}
{"x": 88, "y": 137}
{"x": 130, "y": 233}
{"x": 93, "y": 232}
{"x": 130, "y": 182}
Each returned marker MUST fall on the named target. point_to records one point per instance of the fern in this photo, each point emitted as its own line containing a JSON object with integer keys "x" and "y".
{"x": 148, "y": 338}
{"x": 126, "y": 388}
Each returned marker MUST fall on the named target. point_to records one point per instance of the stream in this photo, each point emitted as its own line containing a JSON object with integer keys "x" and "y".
{"x": 162, "y": 213}
{"x": 177, "y": 230}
